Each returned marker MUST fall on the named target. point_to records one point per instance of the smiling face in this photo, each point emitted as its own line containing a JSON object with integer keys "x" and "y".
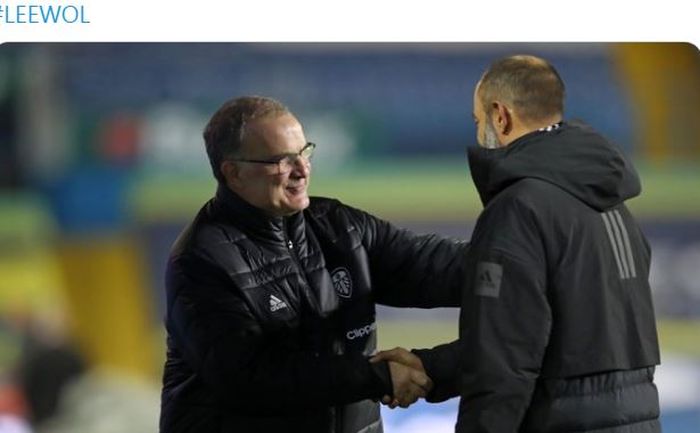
{"x": 261, "y": 185}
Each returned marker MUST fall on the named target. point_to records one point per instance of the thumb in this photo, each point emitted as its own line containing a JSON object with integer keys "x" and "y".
{"x": 388, "y": 355}
{"x": 421, "y": 379}
{"x": 379, "y": 356}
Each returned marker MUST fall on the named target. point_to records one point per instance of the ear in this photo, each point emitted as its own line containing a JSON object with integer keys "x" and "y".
{"x": 502, "y": 118}
{"x": 230, "y": 171}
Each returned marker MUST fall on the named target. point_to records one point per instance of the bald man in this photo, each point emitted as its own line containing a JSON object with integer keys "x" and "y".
{"x": 557, "y": 328}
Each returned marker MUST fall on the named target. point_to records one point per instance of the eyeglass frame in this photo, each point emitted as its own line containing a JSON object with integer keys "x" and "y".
{"x": 280, "y": 158}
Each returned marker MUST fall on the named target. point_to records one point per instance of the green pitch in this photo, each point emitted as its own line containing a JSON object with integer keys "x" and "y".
{"x": 443, "y": 190}
{"x": 439, "y": 190}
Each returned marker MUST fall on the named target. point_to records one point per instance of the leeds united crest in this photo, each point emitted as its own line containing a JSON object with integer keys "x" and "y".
{"x": 342, "y": 282}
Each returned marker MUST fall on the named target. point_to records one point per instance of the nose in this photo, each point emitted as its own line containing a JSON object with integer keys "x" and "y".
{"x": 302, "y": 167}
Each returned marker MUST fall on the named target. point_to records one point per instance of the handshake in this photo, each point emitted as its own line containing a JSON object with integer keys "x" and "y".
{"x": 408, "y": 377}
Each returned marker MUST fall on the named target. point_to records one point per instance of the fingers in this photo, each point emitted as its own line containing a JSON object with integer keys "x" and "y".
{"x": 408, "y": 384}
{"x": 391, "y": 402}
{"x": 408, "y": 377}
{"x": 408, "y": 397}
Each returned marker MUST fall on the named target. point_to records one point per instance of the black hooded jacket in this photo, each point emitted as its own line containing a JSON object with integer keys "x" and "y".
{"x": 271, "y": 320}
{"x": 557, "y": 328}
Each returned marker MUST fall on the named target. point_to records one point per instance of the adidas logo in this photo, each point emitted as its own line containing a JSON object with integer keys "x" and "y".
{"x": 486, "y": 280}
{"x": 276, "y": 303}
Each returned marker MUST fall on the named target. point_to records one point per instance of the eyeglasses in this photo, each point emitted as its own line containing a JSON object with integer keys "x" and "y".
{"x": 285, "y": 163}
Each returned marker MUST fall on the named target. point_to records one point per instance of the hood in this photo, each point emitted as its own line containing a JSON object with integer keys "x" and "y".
{"x": 574, "y": 157}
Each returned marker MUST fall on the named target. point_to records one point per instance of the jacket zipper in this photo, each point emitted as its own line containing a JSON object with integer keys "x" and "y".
{"x": 295, "y": 258}
{"x": 292, "y": 252}
{"x": 337, "y": 411}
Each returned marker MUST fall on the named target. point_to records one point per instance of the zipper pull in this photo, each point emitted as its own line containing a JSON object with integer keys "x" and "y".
{"x": 290, "y": 245}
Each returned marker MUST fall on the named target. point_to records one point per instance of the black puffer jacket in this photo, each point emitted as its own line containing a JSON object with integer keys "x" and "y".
{"x": 557, "y": 327}
{"x": 270, "y": 320}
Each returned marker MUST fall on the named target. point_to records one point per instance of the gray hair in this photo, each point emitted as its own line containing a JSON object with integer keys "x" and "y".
{"x": 225, "y": 131}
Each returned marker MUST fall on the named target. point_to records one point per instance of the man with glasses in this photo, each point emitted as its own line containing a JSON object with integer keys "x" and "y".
{"x": 271, "y": 294}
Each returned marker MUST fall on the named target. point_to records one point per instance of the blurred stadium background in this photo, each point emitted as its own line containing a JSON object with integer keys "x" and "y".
{"x": 102, "y": 163}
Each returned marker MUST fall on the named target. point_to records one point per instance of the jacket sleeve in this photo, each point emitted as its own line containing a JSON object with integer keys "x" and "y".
{"x": 441, "y": 364}
{"x": 221, "y": 341}
{"x": 505, "y": 320}
{"x": 410, "y": 270}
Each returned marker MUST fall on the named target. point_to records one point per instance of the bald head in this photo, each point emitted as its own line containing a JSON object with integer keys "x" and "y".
{"x": 529, "y": 85}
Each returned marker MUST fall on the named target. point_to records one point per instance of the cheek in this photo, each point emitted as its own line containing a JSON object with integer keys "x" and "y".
{"x": 276, "y": 185}
{"x": 267, "y": 189}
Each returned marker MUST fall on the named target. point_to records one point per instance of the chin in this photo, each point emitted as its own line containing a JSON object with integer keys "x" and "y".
{"x": 297, "y": 205}
{"x": 301, "y": 204}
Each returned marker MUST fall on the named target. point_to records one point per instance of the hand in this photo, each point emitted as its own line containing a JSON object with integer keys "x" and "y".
{"x": 400, "y": 355}
{"x": 408, "y": 377}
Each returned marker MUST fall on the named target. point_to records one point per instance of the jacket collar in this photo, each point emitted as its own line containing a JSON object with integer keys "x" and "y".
{"x": 484, "y": 166}
{"x": 572, "y": 156}
{"x": 255, "y": 222}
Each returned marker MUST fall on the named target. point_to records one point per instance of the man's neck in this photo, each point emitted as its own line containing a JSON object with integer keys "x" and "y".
{"x": 524, "y": 129}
